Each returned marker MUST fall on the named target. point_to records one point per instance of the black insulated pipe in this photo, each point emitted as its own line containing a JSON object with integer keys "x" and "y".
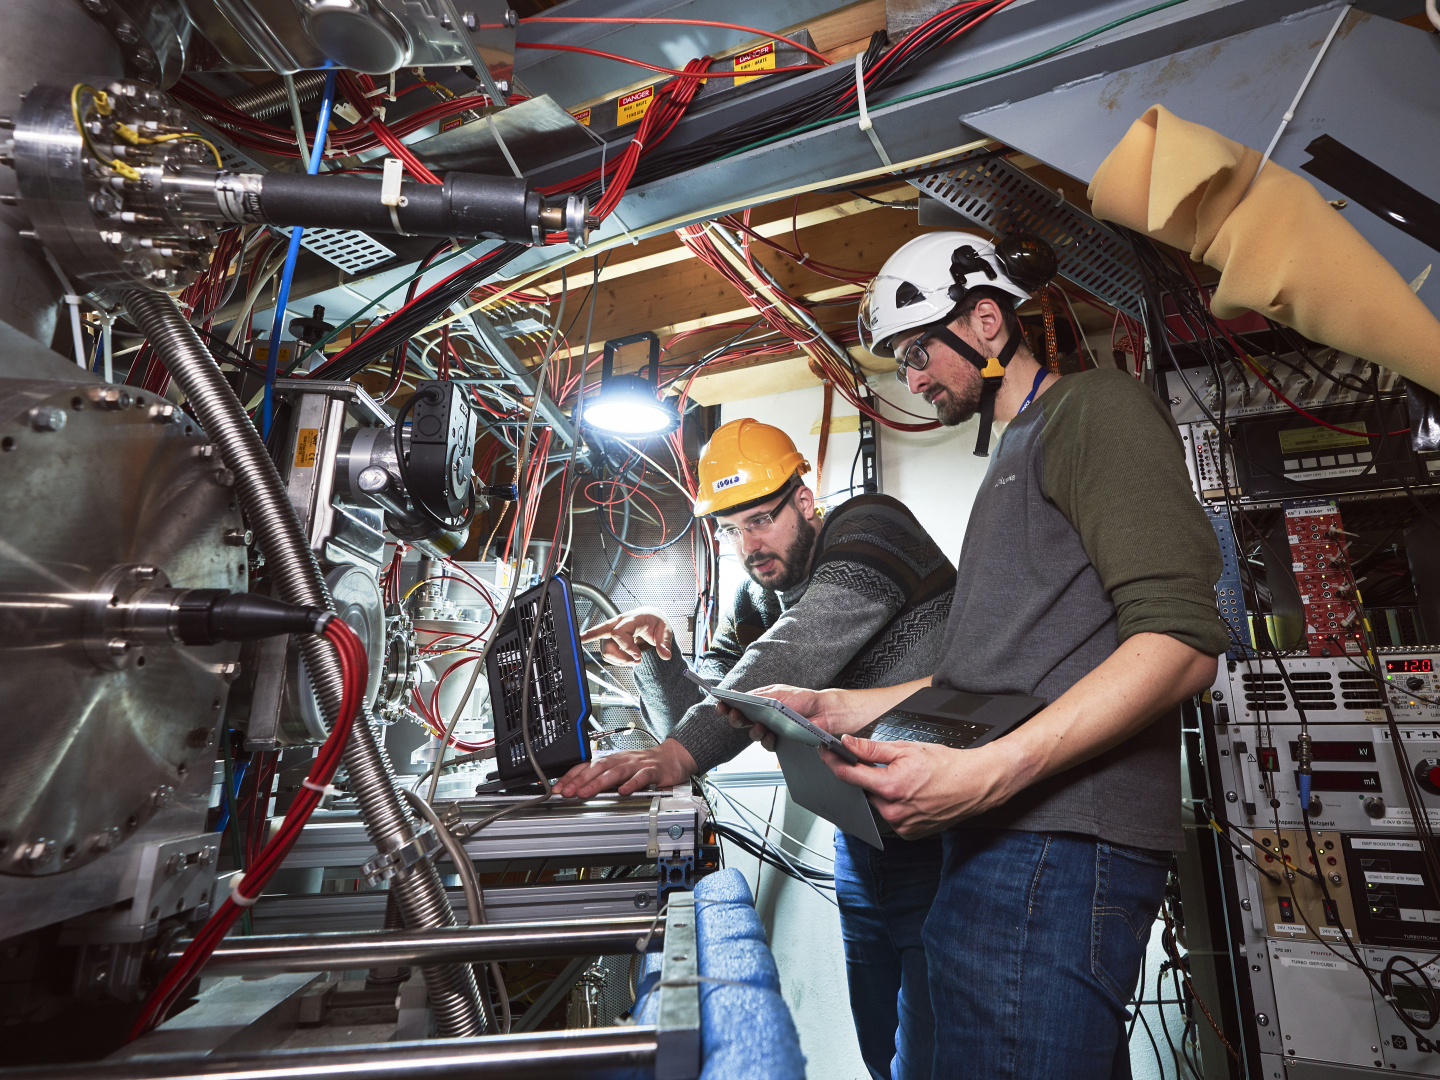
{"x": 466, "y": 204}
{"x": 205, "y": 616}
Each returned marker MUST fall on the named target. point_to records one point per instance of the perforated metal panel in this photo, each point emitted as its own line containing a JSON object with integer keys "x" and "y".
{"x": 1001, "y": 198}
{"x": 349, "y": 249}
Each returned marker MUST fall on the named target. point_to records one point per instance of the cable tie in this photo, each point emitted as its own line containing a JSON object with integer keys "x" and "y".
{"x": 236, "y": 898}
{"x": 866, "y": 124}
{"x": 324, "y": 789}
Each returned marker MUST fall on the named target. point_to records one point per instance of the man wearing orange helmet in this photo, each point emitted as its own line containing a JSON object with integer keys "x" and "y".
{"x": 855, "y": 600}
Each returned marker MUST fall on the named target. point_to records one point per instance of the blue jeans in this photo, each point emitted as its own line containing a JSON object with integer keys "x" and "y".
{"x": 884, "y": 900}
{"x": 1035, "y": 945}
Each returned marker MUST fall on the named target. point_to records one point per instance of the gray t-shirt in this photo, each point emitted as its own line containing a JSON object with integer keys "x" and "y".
{"x": 1085, "y": 532}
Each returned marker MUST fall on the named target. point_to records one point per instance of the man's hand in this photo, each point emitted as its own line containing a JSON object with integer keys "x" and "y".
{"x": 923, "y": 788}
{"x": 629, "y": 770}
{"x": 626, "y": 637}
{"x": 808, "y": 703}
{"x": 837, "y": 711}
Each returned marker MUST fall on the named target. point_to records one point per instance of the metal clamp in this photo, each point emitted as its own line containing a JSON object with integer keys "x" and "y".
{"x": 652, "y": 849}
{"x": 384, "y": 865}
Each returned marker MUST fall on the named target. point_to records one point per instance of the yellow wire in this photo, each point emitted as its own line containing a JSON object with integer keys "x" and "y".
{"x": 102, "y": 105}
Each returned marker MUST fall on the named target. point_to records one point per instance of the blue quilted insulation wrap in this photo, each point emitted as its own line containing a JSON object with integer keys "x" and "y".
{"x": 746, "y": 1028}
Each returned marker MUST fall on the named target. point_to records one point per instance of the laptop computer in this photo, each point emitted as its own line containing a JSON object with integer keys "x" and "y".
{"x": 953, "y": 718}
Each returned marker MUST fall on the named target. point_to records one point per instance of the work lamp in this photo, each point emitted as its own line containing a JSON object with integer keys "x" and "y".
{"x": 628, "y": 405}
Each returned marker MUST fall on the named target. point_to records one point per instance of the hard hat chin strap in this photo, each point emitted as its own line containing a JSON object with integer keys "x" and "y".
{"x": 992, "y": 370}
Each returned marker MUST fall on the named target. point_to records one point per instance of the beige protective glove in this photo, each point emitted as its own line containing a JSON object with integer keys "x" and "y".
{"x": 1282, "y": 250}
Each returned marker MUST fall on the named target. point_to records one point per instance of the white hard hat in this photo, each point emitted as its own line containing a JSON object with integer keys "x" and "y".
{"x": 923, "y": 281}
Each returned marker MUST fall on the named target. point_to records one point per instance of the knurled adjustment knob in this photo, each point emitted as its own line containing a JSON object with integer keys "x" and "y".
{"x": 1427, "y": 775}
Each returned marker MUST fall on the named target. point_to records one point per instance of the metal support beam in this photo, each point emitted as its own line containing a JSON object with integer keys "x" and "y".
{"x": 484, "y": 330}
{"x": 397, "y": 948}
{"x": 942, "y": 120}
{"x": 550, "y": 1055}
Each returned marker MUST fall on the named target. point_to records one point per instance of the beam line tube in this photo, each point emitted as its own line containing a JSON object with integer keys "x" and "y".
{"x": 550, "y": 1055}
{"x": 351, "y": 951}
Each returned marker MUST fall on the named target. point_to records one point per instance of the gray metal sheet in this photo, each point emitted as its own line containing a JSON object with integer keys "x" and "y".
{"x": 536, "y": 132}
{"x": 913, "y": 129}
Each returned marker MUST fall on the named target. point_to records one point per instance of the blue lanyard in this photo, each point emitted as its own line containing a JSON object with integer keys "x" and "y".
{"x": 1039, "y": 378}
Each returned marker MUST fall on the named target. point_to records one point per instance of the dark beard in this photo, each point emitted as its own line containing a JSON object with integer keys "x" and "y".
{"x": 953, "y": 407}
{"x": 794, "y": 562}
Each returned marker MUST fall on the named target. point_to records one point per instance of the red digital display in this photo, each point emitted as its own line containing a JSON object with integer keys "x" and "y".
{"x": 1401, "y": 666}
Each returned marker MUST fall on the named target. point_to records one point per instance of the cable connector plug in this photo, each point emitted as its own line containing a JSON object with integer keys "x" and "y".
{"x": 502, "y": 492}
{"x": 207, "y": 616}
{"x": 1304, "y": 758}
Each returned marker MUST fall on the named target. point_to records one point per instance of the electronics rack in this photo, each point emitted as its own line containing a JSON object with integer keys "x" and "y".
{"x": 1302, "y": 512}
{"x": 559, "y": 700}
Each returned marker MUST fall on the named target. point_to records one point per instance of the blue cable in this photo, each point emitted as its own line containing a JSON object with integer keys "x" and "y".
{"x": 238, "y": 774}
{"x": 277, "y": 331}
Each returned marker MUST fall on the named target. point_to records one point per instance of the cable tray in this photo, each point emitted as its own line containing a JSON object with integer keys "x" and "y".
{"x": 1001, "y": 198}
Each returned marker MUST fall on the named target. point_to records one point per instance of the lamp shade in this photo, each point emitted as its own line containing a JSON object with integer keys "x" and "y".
{"x": 627, "y": 404}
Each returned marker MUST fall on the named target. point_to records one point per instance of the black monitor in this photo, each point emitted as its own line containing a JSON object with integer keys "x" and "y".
{"x": 559, "y": 701}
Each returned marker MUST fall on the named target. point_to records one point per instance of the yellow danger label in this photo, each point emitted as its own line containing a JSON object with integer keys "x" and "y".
{"x": 1299, "y": 440}
{"x": 583, "y": 116}
{"x": 262, "y": 353}
{"x": 451, "y": 124}
{"x": 760, "y": 58}
{"x": 305, "y": 444}
{"x": 634, "y": 105}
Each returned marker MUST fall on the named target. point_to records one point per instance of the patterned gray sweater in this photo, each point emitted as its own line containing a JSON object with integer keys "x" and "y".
{"x": 871, "y": 614}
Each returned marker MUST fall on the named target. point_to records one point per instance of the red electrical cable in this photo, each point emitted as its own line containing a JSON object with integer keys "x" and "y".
{"x": 354, "y": 675}
{"x": 688, "y": 75}
{"x": 1260, "y": 374}
{"x": 676, "y": 22}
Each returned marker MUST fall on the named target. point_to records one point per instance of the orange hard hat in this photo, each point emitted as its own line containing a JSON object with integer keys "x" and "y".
{"x": 743, "y": 462}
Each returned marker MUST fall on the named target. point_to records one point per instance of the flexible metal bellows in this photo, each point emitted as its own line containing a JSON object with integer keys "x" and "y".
{"x": 420, "y": 895}
{"x": 269, "y": 99}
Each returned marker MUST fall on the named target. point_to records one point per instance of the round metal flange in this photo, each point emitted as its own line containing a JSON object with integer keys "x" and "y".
{"x": 93, "y": 749}
{"x": 358, "y": 35}
{"x": 358, "y": 600}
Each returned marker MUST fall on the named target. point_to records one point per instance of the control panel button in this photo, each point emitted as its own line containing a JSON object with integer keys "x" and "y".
{"x": 1427, "y": 775}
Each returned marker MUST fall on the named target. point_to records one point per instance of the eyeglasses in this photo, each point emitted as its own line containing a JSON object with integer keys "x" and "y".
{"x": 755, "y": 526}
{"x": 914, "y": 356}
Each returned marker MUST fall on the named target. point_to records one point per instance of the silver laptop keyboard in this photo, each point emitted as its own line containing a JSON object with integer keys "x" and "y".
{"x": 901, "y": 725}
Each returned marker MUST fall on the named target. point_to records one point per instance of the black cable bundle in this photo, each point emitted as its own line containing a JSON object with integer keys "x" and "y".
{"x": 404, "y": 323}
{"x": 799, "y": 871}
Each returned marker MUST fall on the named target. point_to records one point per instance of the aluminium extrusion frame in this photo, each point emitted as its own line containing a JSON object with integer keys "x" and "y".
{"x": 587, "y": 833}
{"x": 308, "y": 913}
{"x": 286, "y": 953}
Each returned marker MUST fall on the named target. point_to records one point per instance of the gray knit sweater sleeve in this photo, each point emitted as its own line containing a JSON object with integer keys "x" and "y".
{"x": 668, "y": 695}
{"x": 808, "y": 645}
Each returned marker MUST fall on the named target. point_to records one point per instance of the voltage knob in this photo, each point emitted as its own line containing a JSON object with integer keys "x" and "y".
{"x": 1414, "y": 683}
{"x": 1427, "y": 775}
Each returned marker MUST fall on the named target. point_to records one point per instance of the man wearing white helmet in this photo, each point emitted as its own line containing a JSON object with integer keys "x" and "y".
{"x": 1086, "y": 578}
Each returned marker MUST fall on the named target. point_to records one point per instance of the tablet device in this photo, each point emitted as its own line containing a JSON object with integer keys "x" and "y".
{"x": 782, "y": 720}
